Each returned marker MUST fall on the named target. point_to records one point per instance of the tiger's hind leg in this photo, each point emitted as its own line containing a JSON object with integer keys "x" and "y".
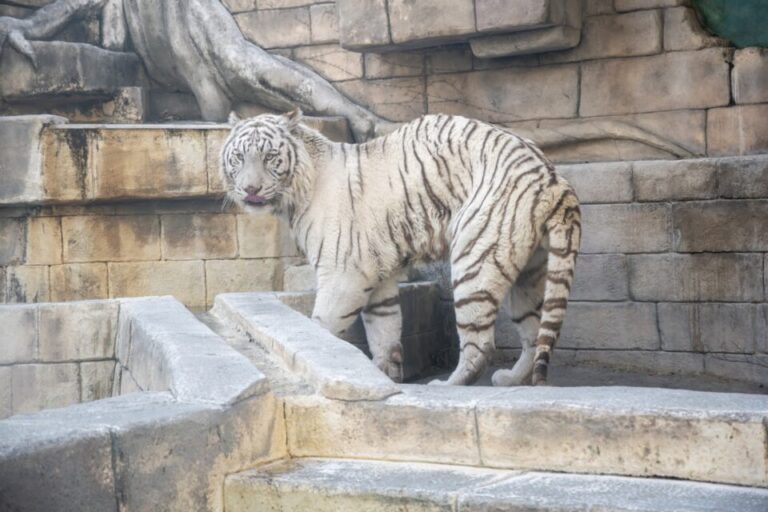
{"x": 383, "y": 322}
{"x": 525, "y": 303}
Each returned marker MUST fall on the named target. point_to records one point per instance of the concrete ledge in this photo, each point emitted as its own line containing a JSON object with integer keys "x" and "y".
{"x": 337, "y": 484}
{"x": 337, "y": 369}
{"x": 712, "y": 437}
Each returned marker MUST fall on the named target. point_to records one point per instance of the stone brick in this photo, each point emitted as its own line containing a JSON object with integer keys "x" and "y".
{"x": 227, "y": 276}
{"x": 750, "y": 368}
{"x": 18, "y": 338}
{"x": 621, "y": 86}
{"x": 397, "y": 99}
{"x": 42, "y": 386}
{"x": 506, "y": 95}
{"x": 517, "y": 15}
{"x": 622, "y": 35}
{"x": 299, "y": 278}
{"x": 276, "y": 28}
{"x": 77, "y": 331}
{"x": 237, "y": 6}
{"x": 743, "y": 177}
{"x": 625, "y": 228}
{"x": 451, "y": 59}
{"x": 264, "y": 236}
{"x": 684, "y": 128}
{"x": 12, "y": 235}
{"x": 621, "y": 325}
{"x": 600, "y": 182}
{"x": 332, "y": 62}
{"x": 711, "y": 327}
{"x": 214, "y": 141}
{"x": 27, "y": 284}
{"x": 324, "y": 23}
{"x": 526, "y": 43}
{"x": 43, "y": 241}
{"x": 682, "y": 31}
{"x": 363, "y": 23}
{"x": 595, "y": 7}
{"x": 118, "y": 238}
{"x": 286, "y": 4}
{"x": 65, "y": 164}
{"x": 147, "y": 162}
{"x": 407, "y": 20}
{"x": 696, "y": 277}
{"x": 714, "y": 226}
{"x": 675, "y": 180}
{"x": 750, "y": 74}
{"x": 96, "y": 380}
{"x": 79, "y": 281}
{"x": 389, "y": 65}
{"x": 185, "y": 280}
{"x": 654, "y": 362}
{"x": 633, "y": 5}
{"x": 601, "y": 277}
{"x": 738, "y": 130}
{"x": 5, "y": 392}
{"x": 194, "y": 237}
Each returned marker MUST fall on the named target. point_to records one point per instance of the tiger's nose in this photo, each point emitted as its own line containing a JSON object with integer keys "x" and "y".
{"x": 251, "y": 190}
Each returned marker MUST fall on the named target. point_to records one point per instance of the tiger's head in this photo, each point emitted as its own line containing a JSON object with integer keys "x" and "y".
{"x": 259, "y": 158}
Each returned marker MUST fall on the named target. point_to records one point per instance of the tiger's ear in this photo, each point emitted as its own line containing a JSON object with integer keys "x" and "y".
{"x": 293, "y": 118}
{"x": 233, "y": 118}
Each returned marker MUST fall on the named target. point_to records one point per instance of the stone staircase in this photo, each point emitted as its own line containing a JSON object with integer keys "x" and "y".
{"x": 345, "y": 485}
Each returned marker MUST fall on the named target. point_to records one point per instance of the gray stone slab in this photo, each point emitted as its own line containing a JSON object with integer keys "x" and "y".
{"x": 96, "y": 380}
{"x": 41, "y": 386}
{"x": 714, "y": 226}
{"x": 5, "y": 392}
{"x": 12, "y": 240}
{"x": 600, "y": 277}
{"x": 625, "y": 228}
{"x": 606, "y": 182}
{"x": 750, "y": 70}
{"x": 607, "y": 325}
{"x": 66, "y": 69}
{"x": 18, "y": 338}
{"x": 78, "y": 331}
{"x": 363, "y": 23}
{"x": 746, "y": 367}
{"x": 675, "y": 180}
{"x": 743, "y": 177}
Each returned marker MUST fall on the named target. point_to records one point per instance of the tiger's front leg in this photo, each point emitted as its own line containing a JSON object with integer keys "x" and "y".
{"x": 340, "y": 299}
{"x": 383, "y": 321}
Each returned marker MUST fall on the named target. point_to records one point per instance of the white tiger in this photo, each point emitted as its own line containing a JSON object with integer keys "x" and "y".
{"x": 438, "y": 186}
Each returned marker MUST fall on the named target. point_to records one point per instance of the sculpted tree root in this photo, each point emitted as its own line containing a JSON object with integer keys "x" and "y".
{"x": 196, "y": 45}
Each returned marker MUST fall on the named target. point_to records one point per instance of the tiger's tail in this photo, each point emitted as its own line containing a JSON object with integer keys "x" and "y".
{"x": 563, "y": 228}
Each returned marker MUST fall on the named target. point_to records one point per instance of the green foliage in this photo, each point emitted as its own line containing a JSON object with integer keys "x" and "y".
{"x": 743, "y": 22}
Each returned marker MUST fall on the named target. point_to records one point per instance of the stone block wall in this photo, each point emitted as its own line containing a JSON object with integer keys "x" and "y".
{"x": 646, "y": 63}
{"x": 54, "y": 355}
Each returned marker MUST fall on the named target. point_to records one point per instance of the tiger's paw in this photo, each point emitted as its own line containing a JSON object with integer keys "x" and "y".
{"x": 391, "y": 369}
{"x": 438, "y": 382}
{"x": 506, "y": 378}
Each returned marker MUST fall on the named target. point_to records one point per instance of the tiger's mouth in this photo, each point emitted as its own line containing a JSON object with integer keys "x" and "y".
{"x": 255, "y": 200}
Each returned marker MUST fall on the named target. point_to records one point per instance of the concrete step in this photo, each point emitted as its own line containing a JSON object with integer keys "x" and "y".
{"x": 341, "y": 485}
{"x": 50, "y": 161}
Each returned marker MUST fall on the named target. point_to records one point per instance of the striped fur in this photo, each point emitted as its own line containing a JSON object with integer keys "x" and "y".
{"x": 440, "y": 186}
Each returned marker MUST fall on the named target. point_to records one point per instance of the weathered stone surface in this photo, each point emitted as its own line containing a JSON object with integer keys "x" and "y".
{"x": 623, "y": 325}
{"x": 332, "y": 62}
{"x": 407, "y": 18}
{"x": 750, "y": 368}
{"x": 526, "y": 43}
{"x": 185, "y": 280}
{"x": 743, "y": 177}
{"x": 324, "y": 23}
{"x": 737, "y": 130}
{"x": 12, "y": 240}
{"x": 632, "y": 5}
{"x": 625, "y": 228}
{"x": 675, "y": 180}
{"x": 600, "y": 277}
{"x": 203, "y": 236}
{"x": 506, "y": 95}
{"x": 686, "y": 128}
{"x": 683, "y": 31}
{"x": 89, "y": 71}
{"x": 595, "y": 7}
{"x": 42, "y": 386}
{"x": 228, "y": 276}
{"x": 714, "y": 226}
{"x": 264, "y": 236}
{"x": 363, "y": 23}
{"x": 620, "y": 86}
{"x": 621, "y": 35}
{"x": 276, "y": 28}
{"x": 79, "y": 281}
{"x": 750, "y": 70}
{"x": 711, "y": 327}
{"x": 390, "y": 65}
{"x": 600, "y": 182}
{"x": 236, "y": 6}
{"x": 286, "y": 4}
{"x": 423, "y": 426}
{"x": 655, "y": 362}
{"x": 77, "y": 331}
{"x": 514, "y": 15}
{"x": 397, "y": 99}
{"x": 299, "y": 278}
{"x": 65, "y": 165}
{"x": 20, "y": 139}
{"x": 43, "y": 241}
{"x": 5, "y": 392}
{"x": 696, "y": 277}
{"x": 18, "y": 338}
{"x": 451, "y": 59}
{"x": 96, "y": 380}
{"x": 118, "y": 238}
{"x": 27, "y": 284}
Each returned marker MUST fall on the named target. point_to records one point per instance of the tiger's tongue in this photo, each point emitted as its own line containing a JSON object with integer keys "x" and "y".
{"x": 254, "y": 199}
